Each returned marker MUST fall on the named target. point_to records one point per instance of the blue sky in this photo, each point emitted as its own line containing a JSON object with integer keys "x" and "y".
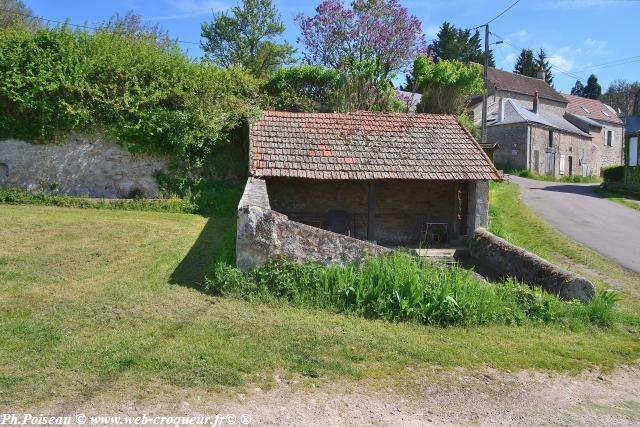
{"x": 582, "y": 36}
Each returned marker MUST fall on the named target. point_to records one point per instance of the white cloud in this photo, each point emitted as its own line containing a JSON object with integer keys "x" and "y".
{"x": 521, "y": 35}
{"x": 432, "y": 31}
{"x": 561, "y": 62}
{"x": 595, "y": 46}
{"x": 188, "y": 9}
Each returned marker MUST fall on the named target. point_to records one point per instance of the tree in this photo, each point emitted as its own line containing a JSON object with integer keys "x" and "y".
{"x": 245, "y": 37}
{"x": 593, "y": 89}
{"x": 16, "y": 13}
{"x": 457, "y": 44}
{"x": 446, "y": 86}
{"x": 578, "y": 89}
{"x": 368, "y": 44}
{"x": 132, "y": 26}
{"x": 541, "y": 61}
{"x": 525, "y": 64}
{"x": 305, "y": 88}
{"x": 621, "y": 95}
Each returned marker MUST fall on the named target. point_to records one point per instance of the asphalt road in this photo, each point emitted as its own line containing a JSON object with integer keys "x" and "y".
{"x": 575, "y": 210}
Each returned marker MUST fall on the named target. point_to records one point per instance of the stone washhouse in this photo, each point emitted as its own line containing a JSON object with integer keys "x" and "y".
{"x": 335, "y": 187}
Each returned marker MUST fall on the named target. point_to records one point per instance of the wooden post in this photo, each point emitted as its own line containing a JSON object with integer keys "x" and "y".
{"x": 371, "y": 223}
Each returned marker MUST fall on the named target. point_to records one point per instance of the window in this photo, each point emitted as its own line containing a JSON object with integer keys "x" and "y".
{"x": 605, "y": 113}
{"x": 586, "y": 110}
{"x": 550, "y": 138}
{"x": 633, "y": 151}
{"x": 609, "y": 138}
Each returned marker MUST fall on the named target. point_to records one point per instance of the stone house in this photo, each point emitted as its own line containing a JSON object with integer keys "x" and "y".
{"x": 541, "y": 141}
{"x": 378, "y": 177}
{"x": 604, "y": 125}
{"x": 632, "y": 163}
{"x": 535, "y": 127}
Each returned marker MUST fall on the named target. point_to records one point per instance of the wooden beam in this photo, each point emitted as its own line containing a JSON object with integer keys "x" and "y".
{"x": 371, "y": 223}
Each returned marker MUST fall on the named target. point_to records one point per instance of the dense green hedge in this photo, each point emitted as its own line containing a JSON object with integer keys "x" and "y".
{"x": 613, "y": 173}
{"x": 147, "y": 95}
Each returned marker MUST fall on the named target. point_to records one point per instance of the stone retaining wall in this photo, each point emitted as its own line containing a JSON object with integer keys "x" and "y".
{"x": 511, "y": 261}
{"x": 82, "y": 166}
{"x": 263, "y": 233}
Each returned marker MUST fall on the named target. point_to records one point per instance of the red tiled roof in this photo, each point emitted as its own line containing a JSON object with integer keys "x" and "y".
{"x": 365, "y": 145}
{"x": 512, "y": 82}
{"x": 592, "y": 108}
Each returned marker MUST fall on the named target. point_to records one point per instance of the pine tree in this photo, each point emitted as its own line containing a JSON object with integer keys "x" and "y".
{"x": 525, "y": 64}
{"x": 577, "y": 89}
{"x": 541, "y": 61}
{"x": 459, "y": 44}
{"x": 593, "y": 89}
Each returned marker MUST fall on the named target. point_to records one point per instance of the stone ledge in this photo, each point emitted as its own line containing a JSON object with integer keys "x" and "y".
{"x": 511, "y": 261}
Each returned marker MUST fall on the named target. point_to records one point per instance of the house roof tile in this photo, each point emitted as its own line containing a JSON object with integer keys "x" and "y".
{"x": 512, "y": 82}
{"x": 364, "y": 146}
{"x": 592, "y": 109}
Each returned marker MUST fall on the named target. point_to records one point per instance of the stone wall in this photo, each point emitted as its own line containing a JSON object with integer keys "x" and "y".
{"x": 263, "y": 233}
{"x": 512, "y": 142}
{"x": 511, "y": 261}
{"x": 82, "y": 166}
{"x": 401, "y": 205}
{"x": 611, "y": 155}
{"x": 582, "y": 150}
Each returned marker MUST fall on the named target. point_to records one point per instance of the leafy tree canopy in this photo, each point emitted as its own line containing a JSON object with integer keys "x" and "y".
{"x": 592, "y": 90}
{"x": 246, "y": 36}
{"x": 446, "y": 85}
{"x": 368, "y": 44}
{"x": 16, "y": 13}
{"x": 621, "y": 95}
{"x": 578, "y": 89}
{"x": 305, "y": 88}
{"x": 542, "y": 61}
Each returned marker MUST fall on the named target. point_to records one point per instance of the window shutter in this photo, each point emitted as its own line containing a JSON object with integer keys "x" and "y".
{"x": 633, "y": 151}
{"x": 613, "y": 137}
{"x": 561, "y": 164}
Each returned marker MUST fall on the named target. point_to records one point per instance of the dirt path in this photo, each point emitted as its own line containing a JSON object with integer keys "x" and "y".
{"x": 486, "y": 398}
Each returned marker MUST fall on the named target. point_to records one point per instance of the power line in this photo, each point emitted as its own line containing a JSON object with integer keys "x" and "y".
{"x": 499, "y": 15}
{"x": 86, "y": 27}
{"x": 556, "y": 68}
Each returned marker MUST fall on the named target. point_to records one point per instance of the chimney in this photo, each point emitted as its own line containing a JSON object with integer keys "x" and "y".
{"x": 541, "y": 73}
{"x": 501, "y": 110}
{"x": 535, "y": 102}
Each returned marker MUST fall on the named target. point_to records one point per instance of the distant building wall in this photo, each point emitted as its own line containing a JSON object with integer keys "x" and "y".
{"x": 511, "y": 150}
{"x": 83, "y": 166}
{"x": 611, "y": 155}
{"x": 526, "y": 101}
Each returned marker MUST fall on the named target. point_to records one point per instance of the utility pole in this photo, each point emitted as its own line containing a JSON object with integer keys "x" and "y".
{"x": 486, "y": 83}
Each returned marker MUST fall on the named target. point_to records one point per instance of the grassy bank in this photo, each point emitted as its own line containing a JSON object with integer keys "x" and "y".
{"x": 514, "y": 221}
{"x": 525, "y": 173}
{"x": 100, "y": 304}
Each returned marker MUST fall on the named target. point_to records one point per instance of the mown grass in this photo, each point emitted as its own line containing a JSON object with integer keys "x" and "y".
{"x": 525, "y": 173}
{"x": 210, "y": 198}
{"x": 102, "y": 304}
{"x": 512, "y": 220}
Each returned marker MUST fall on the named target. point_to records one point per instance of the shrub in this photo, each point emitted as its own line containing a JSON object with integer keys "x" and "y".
{"x": 16, "y": 196}
{"x": 400, "y": 288}
{"x": 147, "y": 95}
{"x": 613, "y": 173}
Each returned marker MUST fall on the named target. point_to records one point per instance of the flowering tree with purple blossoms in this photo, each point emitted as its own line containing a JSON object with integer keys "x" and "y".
{"x": 369, "y": 44}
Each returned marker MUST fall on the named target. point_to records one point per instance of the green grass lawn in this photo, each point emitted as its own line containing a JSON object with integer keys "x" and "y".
{"x": 626, "y": 199}
{"x": 106, "y": 304}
